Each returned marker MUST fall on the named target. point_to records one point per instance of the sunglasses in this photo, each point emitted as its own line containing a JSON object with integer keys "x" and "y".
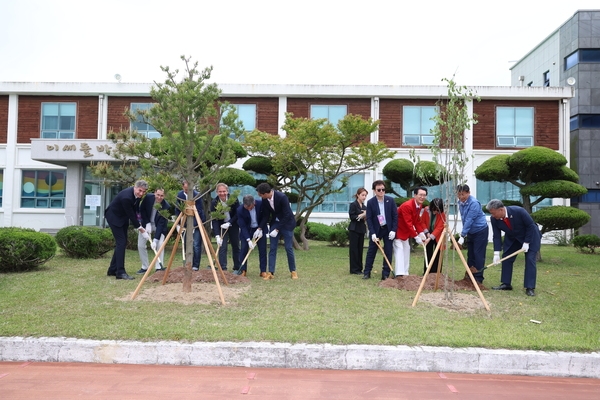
{"x": 380, "y": 190}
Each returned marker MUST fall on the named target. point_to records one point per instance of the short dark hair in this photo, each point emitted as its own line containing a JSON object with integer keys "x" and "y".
{"x": 416, "y": 190}
{"x": 437, "y": 204}
{"x": 463, "y": 188}
{"x": 264, "y": 188}
{"x": 378, "y": 183}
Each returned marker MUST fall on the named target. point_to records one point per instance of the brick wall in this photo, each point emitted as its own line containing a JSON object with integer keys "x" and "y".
{"x": 116, "y": 120}
{"x": 3, "y": 119}
{"x": 546, "y": 122}
{"x": 30, "y": 110}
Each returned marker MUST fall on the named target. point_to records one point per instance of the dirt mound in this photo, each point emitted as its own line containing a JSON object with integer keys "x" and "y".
{"x": 412, "y": 283}
{"x": 203, "y": 275}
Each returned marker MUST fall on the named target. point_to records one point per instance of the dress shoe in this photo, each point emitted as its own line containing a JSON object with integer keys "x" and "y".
{"x": 268, "y": 276}
{"x": 244, "y": 273}
{"x": 125, "y": 276}
{"x": 383, "y": 277}
{"x": 367, "y": 276}
{"x": 141, "y": 271}
{"x": 356, "y": 273}
{"x": 110, "y": 274}
{"x": 161, "y": 269}
{"x": 503, "y": 286}
{"x": 294, "y": 275}
{"x": 263, "y": 274}
{"x": 530, "y": 292}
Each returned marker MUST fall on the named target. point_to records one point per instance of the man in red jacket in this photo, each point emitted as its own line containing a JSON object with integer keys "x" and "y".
{"x": 409, "y": 225}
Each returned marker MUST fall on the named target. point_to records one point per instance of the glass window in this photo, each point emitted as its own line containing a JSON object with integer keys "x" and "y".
{"x": 340, "y": 202}
{"x": 487, "y": 191}
{"x": 571, "y": 60}
{"x": 139, "y": 125}
{"x": 589, "y": 55}
{"x": 247, "y": 115}
{"x": 58, "y": 120}
{"x": 417, "y": 125}
{"x": 333, "y": 114}
{"x": 514, "y": 126}
{"x": 585, "y": 121}
{"x": 43, "y": 189}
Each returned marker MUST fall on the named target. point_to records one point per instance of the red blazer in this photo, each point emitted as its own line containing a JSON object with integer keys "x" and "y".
{"x": 409, "y": 224}
{"x": 438, "y": 227}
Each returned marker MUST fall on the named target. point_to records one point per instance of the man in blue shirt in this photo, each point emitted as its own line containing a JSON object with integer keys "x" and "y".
{"x": 475, "y": 227}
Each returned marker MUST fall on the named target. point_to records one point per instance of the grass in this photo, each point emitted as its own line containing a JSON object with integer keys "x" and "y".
{"x": 74, "y": 298}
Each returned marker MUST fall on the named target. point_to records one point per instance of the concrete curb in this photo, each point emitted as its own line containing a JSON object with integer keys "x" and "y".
{"x": 309, "y": 356}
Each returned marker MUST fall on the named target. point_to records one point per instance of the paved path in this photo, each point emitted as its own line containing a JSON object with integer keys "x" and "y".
{"x": 64, "y": 381}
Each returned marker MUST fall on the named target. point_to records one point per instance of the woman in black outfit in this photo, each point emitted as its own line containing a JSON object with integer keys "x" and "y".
{"x": 357, "y": 230}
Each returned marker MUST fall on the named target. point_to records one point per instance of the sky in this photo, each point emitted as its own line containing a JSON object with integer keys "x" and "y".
{"x": 325, "y": 42}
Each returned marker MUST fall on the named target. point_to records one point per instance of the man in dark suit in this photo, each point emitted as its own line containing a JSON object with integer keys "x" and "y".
{"x": 520, "y": 232}
{"x": 382, "y": 220}
{"x": 282, "y": 223}
{"x": 182, "y": 196}
{"x": 154, "y": 222}
{"x": 122, "y": 211}
{"x": 226, "y": 230}
{"x": 249, "y": 218}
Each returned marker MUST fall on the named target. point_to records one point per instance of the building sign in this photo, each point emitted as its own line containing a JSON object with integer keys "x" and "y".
{"x": 71, "y": 150}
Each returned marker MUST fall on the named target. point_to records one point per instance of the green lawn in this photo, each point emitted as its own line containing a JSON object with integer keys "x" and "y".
{"x": 74, "y": 298}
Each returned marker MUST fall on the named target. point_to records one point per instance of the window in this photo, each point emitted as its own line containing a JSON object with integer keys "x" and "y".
{"x": 43, "y": 189}
{"x": 546, "y": 78}
{"x": 417, "y": 125}
{"x": 582, "y": 55}
{"x": 585, "y": 121}
{"x": 487, "y": 191}
{"x": 333, "y": 114}
{"x": 514, "y": 126}
{"x": 58, "y": 120}
{"x": 139, "y": 125}
{"x": 340, "y": 202}
{"x": 1, "y": 185}
{"x": 246, "y": 115}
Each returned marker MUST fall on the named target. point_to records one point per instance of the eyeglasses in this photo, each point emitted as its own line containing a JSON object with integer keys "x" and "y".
{"x": 380, "y": 190}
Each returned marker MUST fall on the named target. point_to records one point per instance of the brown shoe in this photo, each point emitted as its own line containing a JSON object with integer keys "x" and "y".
{"x": 268, "y": 276}
{"x": 244, "y": 273}
{"x": 263, "y": 274}
{"x": 294, "y": 275}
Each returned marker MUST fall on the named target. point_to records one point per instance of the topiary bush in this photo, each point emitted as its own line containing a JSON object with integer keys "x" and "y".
{"x": 23, "y": 249}
{"x": 586, "y": 243}
{"x": 85, "y": 241}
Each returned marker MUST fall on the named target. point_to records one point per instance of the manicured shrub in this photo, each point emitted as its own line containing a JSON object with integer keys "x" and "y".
{"x": 339, "y": 235}
{"x": 85, "y": 241}
{"x": 132, "y": 239}
{"x": 586, "y": 243}
{"x": 23, "y": 249}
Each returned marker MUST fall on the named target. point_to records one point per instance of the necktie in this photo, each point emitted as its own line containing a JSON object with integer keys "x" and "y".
{"x": 507, "y": 222}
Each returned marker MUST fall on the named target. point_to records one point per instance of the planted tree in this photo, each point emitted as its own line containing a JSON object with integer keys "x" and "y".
{"x": 315, "y": 159}
{"x": 198, "y": 138}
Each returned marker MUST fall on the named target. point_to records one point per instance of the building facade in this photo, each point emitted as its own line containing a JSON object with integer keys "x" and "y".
{"x": 51, "y": 132}
{"x": 570, "y": 56}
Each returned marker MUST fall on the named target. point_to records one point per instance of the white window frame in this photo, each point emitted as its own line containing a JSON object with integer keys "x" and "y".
{"x": 58, "y": 132}
{"x": 518, "y": 128}
{"x": 421, "y": 136}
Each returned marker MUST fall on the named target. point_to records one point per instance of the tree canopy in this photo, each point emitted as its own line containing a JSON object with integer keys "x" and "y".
{"x": 315, "y": 159}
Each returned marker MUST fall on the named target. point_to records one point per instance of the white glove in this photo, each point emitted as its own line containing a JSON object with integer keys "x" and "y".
{"x": 146, "y": 236}
{"x": 251, "y": 244}
{"x": 257, "y": 234}
{"x": 422, "y": 236}
{"x": 154, "y": 244}
{"x": 461, "y": 240}
{"x": 226, "y": 225}
{"x": 359, "y": 218}
{"x": 219, "y": 240}
{"x": 178, "y": 228}
{"x": 418, "y": 240}
{"x": 374, "y": 238}
{"x": 149, "y": 228}
{"x": 274, "y": 233}
{"x": 392, "y": 235}
{"x": 496, "y": 257}
{"x": 525, "y": 247}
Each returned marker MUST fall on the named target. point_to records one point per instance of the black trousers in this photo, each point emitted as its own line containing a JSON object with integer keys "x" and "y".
{"x": 357, "y": 243}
